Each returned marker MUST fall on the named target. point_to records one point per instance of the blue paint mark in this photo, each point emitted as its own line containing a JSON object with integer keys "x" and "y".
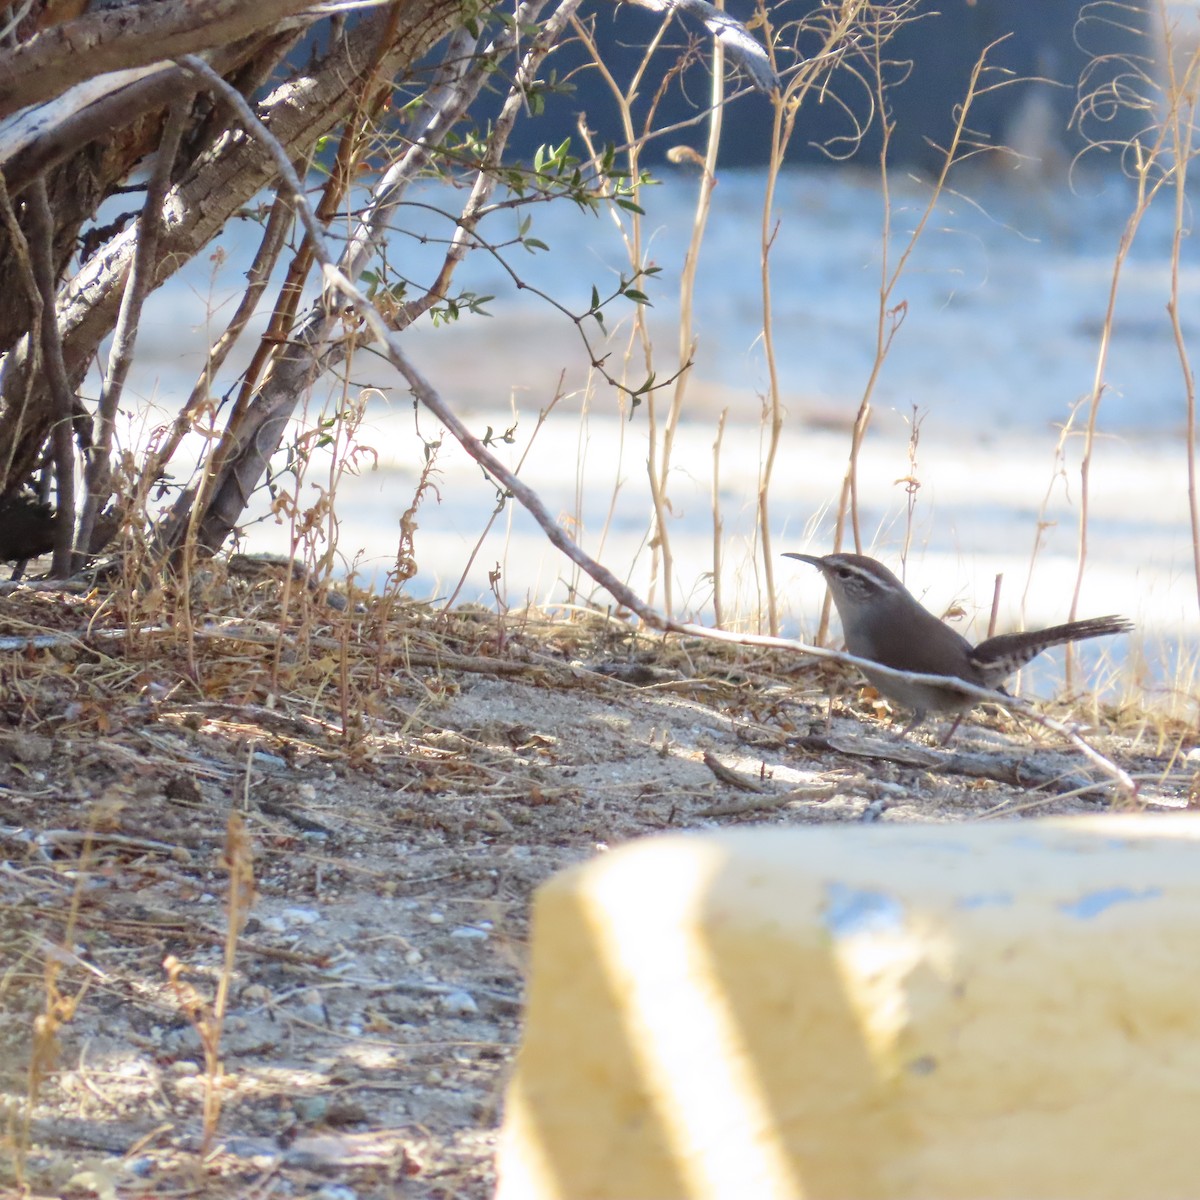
{"x": 985, "y": 900}
{"x": 850, "y": 911}
{"x": 1094, "y": 903}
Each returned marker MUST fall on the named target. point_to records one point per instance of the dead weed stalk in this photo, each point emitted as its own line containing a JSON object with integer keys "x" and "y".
{"x": 208, "y": 1019}
{"x": 58, "y": 1006}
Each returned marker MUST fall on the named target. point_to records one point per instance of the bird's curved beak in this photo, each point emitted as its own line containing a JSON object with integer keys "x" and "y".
{"x": 808, "y": 558}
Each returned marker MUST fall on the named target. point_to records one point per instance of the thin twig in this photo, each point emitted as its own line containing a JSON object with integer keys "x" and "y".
{"x": 503, "y": 503}
{"x": 138, "y": 286}
{"x": 731, "y": 777}
{"x": 631, "y": 238}
{"x": 839, "y": 35}
{"x": 259, "y": 274}
{"x": 1181, "y": 96}
{"x": 718, "y": 523}
{"x": 486, "y": 178}
{"x": 994, "y": 615}
{"x": 20, "y": 249}
{"x": 1149, "y": 177}
{"x": 41, "y": 230}
{"x": 687, "y": 335}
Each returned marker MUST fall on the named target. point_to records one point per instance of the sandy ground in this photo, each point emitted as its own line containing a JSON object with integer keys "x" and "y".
{"x": 404, "y": 782}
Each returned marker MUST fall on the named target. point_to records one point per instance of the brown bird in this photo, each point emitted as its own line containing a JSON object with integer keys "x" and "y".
{"x": 27, "y": 528}
{"x": 883, "y": 622}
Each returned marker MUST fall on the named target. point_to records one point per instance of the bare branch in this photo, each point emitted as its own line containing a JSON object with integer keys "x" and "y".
{"x": 42, "y": 254}
{"x": 137, "y": 288}
{"x": 19, "y": 134}
{"x": 258, "y": 275}
{"x": 25, "y": 268}
{"x": 232, "y": 98}
{"x": 47, "y": 135}
{"x": 453, "y": 91}
{"x": 485, "y": 180}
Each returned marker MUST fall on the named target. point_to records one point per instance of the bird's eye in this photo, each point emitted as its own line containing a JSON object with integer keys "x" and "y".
{"x": 844, "y": 572}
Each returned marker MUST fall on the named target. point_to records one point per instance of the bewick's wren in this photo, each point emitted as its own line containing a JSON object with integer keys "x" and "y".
{"x": 881, "y": 621}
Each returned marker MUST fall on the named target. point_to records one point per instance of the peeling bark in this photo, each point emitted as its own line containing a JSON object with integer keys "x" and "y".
{"x": 131, "y": 35}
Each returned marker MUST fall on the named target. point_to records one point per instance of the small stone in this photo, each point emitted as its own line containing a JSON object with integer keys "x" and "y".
{"x": 301, "y": 916}
{"x": 459, "y": 1003}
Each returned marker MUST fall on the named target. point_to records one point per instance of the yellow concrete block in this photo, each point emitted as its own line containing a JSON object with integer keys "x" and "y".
{"x": 928, "y": 1012}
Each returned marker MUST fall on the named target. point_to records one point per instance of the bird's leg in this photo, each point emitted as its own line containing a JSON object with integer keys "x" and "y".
{"x": 953, "y": 728}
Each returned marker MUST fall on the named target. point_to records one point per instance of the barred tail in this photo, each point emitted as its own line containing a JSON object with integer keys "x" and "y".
{"x": 1011, "y": 651}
